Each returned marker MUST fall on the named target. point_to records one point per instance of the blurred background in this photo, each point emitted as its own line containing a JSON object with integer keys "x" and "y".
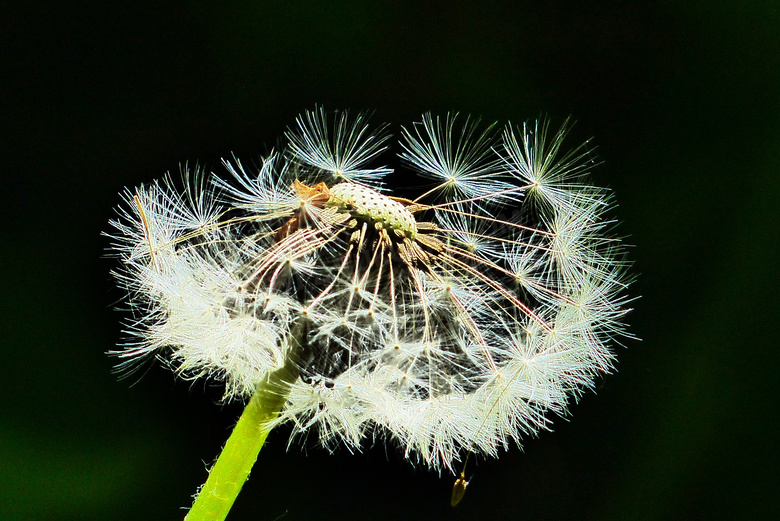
{"x": 682, "y": 99}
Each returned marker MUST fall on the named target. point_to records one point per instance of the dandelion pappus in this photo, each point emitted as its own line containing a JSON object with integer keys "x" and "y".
{"x": 436, "y": 322}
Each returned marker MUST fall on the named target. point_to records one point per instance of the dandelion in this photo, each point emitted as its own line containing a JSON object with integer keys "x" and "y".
{"x": 456, "y": 322}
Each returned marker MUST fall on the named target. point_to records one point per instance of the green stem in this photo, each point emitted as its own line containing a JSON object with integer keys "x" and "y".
{"x": 232, "y": 468}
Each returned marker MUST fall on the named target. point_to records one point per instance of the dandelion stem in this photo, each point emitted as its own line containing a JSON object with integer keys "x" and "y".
{"x": 227, "y": 476}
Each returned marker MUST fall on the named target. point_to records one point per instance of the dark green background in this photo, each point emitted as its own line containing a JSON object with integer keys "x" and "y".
{"x": 683, "y": 99}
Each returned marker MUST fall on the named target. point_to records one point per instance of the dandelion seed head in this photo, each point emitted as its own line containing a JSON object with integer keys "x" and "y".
{"x": 462, "y": 320}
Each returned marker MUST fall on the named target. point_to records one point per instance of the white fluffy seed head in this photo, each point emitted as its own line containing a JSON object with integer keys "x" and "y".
{"x": 454, "y": 323}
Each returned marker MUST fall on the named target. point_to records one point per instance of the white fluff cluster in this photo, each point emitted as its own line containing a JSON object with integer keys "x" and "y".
{"x": 455, "y": 320}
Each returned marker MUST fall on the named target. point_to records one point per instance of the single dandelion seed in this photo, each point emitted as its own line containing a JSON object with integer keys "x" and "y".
{"x": 459, "y": 488}
{"x": 458, "y": 319}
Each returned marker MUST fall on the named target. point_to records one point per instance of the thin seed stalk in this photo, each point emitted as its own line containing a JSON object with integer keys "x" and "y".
{"x": 230, "y": 472}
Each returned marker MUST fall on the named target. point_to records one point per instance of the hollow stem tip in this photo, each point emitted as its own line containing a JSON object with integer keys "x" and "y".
{"x": 227, "y": 476}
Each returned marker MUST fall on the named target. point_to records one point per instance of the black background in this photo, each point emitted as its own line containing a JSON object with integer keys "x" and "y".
{"x": 683, "y": 99}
